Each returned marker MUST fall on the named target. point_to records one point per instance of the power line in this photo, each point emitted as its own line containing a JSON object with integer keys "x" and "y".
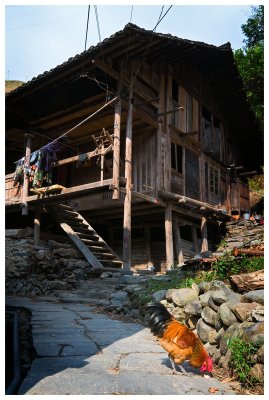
{"x": 162, "y": 18}
{"x": 149, "y": 44}
{"x": 97, "y": 22}
{"x": 89, "y": 8}
{"x": 131, "y": 14}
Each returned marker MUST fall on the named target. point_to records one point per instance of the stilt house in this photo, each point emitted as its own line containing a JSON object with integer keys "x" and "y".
{"x": 152, "y": 135}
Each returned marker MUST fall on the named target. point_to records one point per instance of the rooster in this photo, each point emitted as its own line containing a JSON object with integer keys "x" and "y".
{"x": 178, "y": 340}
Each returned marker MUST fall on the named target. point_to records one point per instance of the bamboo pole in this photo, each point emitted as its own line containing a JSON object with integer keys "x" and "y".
{"x": 25, "y": 188}
{"x": 128, "y": 196}
{"x": 169, "y": 237}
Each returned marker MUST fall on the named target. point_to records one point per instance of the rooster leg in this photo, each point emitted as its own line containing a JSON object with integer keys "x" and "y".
{"x": 175, "y": 371}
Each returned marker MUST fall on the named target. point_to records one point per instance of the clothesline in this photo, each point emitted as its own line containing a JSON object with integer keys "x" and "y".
{"x": 73, "y": 128}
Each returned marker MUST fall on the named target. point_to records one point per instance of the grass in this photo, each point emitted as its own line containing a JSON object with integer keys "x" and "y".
{"x": 242, "y": 359}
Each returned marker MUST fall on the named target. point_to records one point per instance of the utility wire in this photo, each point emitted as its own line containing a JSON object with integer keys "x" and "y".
{"x": 148, "y": 46}
{"x": 131, "y": 14}
{"x": 89, "y": 8}
{"x": 161, "y": 18}
{"x": 97, "y": 22}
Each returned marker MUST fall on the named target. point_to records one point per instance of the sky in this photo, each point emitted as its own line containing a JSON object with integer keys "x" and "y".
{"x": 40, "y": 37}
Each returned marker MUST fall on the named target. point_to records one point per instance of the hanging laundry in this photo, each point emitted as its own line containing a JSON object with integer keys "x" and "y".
{"x": 18, "y": 174}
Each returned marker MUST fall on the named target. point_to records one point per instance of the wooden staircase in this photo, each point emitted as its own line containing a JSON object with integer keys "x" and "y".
{"x": 96, "y": 251}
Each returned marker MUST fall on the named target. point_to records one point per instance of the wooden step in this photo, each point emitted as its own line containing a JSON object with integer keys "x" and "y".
{"x": 86, "y": 235}
{"x": 93, "y": 241}
{"x": 110, "y": 261}
{"x": 68, "y": 213}
{"x": 65, "y": 207}
{"x": 96, "y": 248}
{"x": 69, "y": 218}
{"x": 108, "y": 255}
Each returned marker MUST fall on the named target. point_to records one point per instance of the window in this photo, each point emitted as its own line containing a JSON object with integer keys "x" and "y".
{"x": 176, "y": 157}
{"x": 211, "y": 135}
{"x": 214, "y": 181}
{"x": 185, "y": 119}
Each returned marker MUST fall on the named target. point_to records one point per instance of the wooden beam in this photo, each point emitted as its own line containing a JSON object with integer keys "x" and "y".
{"x": 204, "y": 234}
{"x": 146, "y": 197}
{"x": 25, "y": 187}
{"x": 169, "y": 237}
{"x": 177, "y": 240}
{"x": 90, "y": 154}
{"x": 127, "y": 252}
{"x": 73, "y": 191}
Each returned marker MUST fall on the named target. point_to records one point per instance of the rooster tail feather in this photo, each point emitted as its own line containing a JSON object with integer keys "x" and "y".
{"x": 159, "y": 318}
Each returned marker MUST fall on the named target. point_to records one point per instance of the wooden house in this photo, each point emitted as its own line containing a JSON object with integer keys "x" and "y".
{"x": 153, "y": 135}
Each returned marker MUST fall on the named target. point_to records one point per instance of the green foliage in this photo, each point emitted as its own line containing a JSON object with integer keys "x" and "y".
{"x": 253, "y": 29}
{"x": 242, "y": 358}
{"x": 229, "y": 265}
{"x": 250, "y": 62}
{"x": 256, "y": 183}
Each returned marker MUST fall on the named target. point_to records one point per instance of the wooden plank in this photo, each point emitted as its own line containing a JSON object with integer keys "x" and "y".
{"x": 247, "y": 282}
{"x": 76, "y": 190}
{"x": 82, "y": 247}
{"x": 169, "y": 237}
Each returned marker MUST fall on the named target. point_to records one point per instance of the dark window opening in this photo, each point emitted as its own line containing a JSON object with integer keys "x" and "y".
{"x": 176, "y": 157}
{"x": 175, "y": 90}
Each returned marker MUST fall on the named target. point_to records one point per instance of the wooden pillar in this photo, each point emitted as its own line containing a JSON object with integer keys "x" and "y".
{"x": 102, "y": 162}
{"x": 128, "y": 195}
{"x": 147, "y": 243}
{"x": 177, "y": 240}
{"x": 204, "y": 234}
{"x": 194, "y": 239}
{"x": 25, "y": 188}
{"x": 116, "y": 152}
{"x": 169, "y": 237}
{"x": 37, "y": 226}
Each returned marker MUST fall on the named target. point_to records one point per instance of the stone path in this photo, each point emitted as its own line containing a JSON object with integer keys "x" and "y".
{"x": 81, "y": 352}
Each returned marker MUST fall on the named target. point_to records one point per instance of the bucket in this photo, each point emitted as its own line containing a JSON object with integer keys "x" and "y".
{"x": 246, "y": 216}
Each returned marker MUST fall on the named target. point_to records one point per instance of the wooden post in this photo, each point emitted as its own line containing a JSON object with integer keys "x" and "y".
{"x": 169, "y": 237}
{"x": 128, "y": 176}
{"x": 178, "y": 244}
{"x": 102, "y": 162}
{"x": 204, "y": 234}
{"x": 37, "y": 226}
{"x": 116, "y": 153}
{"x": 194, "y": 239}
{"x": 26, "y": 177}
{"x": 147, "y": 243}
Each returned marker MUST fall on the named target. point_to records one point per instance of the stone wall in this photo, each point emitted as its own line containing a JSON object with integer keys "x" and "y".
{"x": 40, "y": 270}
{"x": 217, "y": 314}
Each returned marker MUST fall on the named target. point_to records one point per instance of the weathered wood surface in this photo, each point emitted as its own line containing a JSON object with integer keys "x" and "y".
{"x": 250, "y": 281}
{"x": 248, "y": 252}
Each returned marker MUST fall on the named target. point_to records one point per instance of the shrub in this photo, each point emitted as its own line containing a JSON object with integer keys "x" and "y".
{"x": 242, "y": 359}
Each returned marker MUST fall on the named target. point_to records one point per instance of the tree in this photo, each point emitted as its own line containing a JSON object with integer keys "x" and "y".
{"x": 250, "y": 62}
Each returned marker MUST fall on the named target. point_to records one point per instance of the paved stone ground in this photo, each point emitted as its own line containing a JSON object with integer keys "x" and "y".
{"x": 83, "y": 352}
